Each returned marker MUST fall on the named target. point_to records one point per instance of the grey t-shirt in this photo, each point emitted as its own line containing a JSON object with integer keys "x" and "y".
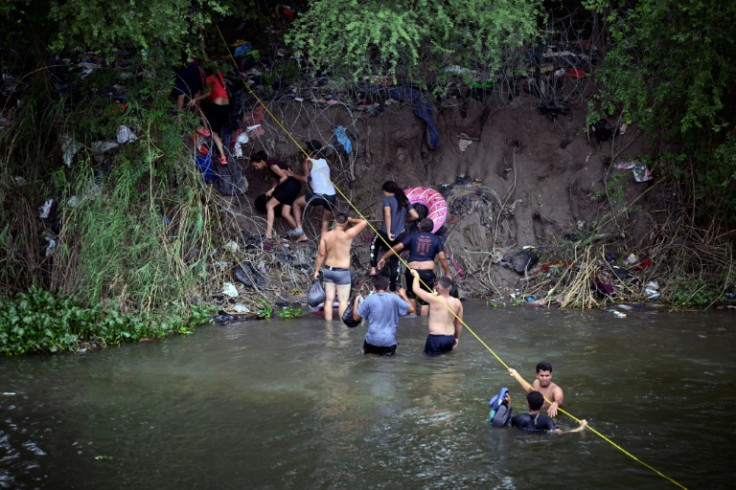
{"x": 398, "y": 216}
{"x": 382, "y": 311}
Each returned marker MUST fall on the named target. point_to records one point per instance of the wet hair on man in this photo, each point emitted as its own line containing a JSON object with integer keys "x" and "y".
{"x": 444, "y": 283}
{"x": 535, "y": 400}
{"x": 544, "y": 366}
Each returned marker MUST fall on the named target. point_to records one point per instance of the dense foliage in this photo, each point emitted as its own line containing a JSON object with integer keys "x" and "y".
{"x": 128, "y": 231}
{"x": 670, "y": 69}
{"x": 420, "y": 42}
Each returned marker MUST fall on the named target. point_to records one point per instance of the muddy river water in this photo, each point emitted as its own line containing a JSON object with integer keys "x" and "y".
{"x": 294, "y": 404}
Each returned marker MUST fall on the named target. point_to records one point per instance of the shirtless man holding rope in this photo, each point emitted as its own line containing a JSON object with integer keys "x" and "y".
{"x": 445, "y": 316}
{"x": 543, "y": 384}
{"x": 334, "y": 254}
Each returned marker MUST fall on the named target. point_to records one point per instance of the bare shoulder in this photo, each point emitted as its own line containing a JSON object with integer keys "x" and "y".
{"x": 328, "y": 238}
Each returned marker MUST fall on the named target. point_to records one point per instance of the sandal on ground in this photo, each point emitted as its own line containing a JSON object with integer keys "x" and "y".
{"x": 223, "y": 160}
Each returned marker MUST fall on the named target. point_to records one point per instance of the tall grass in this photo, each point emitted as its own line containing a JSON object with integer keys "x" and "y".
{"x": 135, "y": 225}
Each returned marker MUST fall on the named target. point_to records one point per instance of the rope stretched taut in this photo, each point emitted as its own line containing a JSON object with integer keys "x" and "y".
{"x": 402, "y": 261}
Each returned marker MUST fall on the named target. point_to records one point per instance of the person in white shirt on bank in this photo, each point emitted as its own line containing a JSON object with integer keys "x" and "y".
{"x": 316, "y": 172}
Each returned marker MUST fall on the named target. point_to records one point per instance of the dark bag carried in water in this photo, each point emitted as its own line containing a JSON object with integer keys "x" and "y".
{"x": 502, "y": 416}
{"x": 316, "y": 294}
{"x": 347, "y": 316}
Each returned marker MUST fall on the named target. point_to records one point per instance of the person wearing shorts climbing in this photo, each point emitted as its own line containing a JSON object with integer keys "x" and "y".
{"x": 216, "y": 107}
{"x": 333, "y": 260}
{"x": 423, "y": 247}
{"x": 187, "y": 86}
{"x": 316, "y": 172}
{"x": 285, "y": 192}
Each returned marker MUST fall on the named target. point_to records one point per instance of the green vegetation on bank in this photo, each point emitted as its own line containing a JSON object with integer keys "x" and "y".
{"x": 126, "y": 250}
{"x": 418, "y": 42}
{"x": 40, "y": 321}
{"x": 130, "y": 229}
{"x": 670, "y": 70}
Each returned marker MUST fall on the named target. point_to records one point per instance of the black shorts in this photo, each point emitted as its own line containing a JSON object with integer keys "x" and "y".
{"x": 287, "y": 191}
{"x": 438, "y": 344}
{"x": 217, "y": 115}
{"x": 374, "y": 349}
{"x": 428, "y": 278}
{"x": 327, "y": 201}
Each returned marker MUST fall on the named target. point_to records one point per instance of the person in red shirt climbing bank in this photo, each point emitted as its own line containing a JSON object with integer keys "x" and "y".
{"x": 216, "y": 107}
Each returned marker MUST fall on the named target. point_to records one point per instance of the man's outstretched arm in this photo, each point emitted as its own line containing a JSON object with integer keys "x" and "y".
{"x": 580, "y": 427}
{"x": 526, "y": 386}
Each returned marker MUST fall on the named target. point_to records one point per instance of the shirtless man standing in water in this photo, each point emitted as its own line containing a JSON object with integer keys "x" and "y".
{"x": 334, "y": 253}
{"x": 445, "y": 316}
{"x": 543, "y": 384}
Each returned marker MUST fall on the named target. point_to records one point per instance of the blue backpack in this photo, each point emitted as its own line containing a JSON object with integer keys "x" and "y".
{"x": 500, "y": 414}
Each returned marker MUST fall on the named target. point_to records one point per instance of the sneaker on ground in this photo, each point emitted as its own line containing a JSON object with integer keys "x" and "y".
{"x": 295, "y": 232}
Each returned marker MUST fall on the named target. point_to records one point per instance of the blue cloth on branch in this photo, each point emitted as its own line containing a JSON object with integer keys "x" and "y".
{"x": 421, "y": 109}
{"x": 343, "y": 139}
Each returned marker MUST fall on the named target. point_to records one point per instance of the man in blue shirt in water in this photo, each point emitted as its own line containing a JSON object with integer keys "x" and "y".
{"x": 537, "y": 423}
{"x": 382, "y": 309}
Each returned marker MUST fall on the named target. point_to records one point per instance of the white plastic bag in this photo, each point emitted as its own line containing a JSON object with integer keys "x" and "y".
{"x": 239, "y": 142}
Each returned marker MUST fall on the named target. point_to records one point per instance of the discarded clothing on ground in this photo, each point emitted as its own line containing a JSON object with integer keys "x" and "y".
{"x": 522, "y": 261}
{"x": 343, "y": 139}
{"x": 421, "y": 109}
{"x": 249, "y": 276}
{"x": 230, "y": 179}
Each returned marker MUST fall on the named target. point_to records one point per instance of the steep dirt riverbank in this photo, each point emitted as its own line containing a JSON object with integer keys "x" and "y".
{"x": 513, "y": 177}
